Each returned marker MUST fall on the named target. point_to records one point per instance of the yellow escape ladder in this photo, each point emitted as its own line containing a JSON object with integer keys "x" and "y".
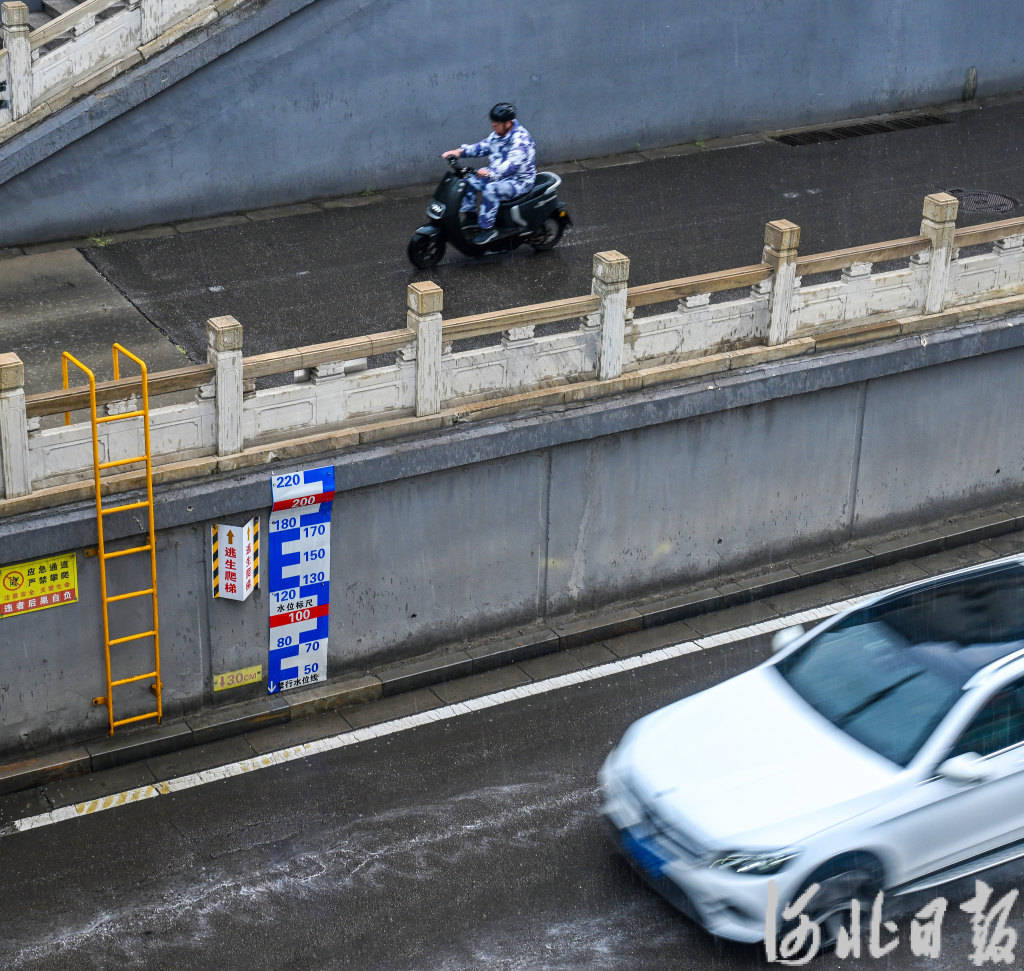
{"x": 157, "y": 686}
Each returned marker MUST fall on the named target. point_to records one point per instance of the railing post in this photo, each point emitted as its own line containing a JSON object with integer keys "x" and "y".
{"x": 781, "y": 239}
{"x": 14, "y": 18}
{"x": 938, "y": 224}
{"x": 15, "y": 478}
{"x": 224, "y": 352}
{"x": 426, "y": 301}
{"x": 610, "y": 282}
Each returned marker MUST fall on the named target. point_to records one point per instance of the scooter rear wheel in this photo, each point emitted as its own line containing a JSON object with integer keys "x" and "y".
{"x": 425, "y": 251}
{"x": 547, "y": 236}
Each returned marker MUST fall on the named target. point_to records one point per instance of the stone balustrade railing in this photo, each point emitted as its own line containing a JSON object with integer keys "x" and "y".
{"x": 99, "y": 40}
{"x": 334, "y": 399}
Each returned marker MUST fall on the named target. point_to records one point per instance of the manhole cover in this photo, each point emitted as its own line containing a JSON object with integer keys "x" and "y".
{"x": 978, "y": 200}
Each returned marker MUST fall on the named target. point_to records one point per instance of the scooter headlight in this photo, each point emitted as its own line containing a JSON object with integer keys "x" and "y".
{"x": 435, "y": 210}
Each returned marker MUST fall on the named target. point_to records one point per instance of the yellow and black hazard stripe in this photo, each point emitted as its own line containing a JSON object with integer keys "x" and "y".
{"x": 216, "y": 560}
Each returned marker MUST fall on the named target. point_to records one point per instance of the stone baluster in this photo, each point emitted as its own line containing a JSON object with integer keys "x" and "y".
{"x": 84, "y": 25}
{"x": 426, "y": 301}
{"x": 15, "y": 477}
{"x": 152, "y": 16}
{"x": 1010, "y": 252}
{"x": 15, "y": 29}
{"x": 224, "y": 352}
{"x": 858, "y": 285}
{"x": 781, "y": 239}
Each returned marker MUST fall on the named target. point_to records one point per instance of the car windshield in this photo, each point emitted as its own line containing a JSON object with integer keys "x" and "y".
{"x": 864, "y": 681}
{"x": 889, "y": 673}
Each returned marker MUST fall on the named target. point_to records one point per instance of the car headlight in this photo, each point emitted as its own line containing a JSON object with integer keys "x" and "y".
{"x": 754, "y": 862}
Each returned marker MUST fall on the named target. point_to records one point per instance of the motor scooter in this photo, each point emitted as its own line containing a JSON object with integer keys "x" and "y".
{"x": 538, "y": 218}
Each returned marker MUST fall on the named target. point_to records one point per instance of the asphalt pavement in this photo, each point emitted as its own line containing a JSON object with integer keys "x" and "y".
{"x": 334, "y": 268}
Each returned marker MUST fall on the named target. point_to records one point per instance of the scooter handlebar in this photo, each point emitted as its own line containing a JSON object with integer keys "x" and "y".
{"x": 454, "y": 163}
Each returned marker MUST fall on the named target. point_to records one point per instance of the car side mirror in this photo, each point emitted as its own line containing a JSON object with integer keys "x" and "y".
{"x": 967, "y": 769}
{"x": 783, "y": 638}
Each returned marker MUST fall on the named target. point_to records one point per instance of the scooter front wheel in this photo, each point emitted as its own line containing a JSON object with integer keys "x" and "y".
{"x": 548, "y": 235}
{"x": 426, "y": 250}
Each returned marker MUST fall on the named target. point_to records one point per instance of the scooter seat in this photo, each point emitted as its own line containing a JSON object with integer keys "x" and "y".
{"x": 546, "y": 182}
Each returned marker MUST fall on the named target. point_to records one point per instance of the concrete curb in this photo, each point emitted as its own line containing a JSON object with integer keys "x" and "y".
{"x": 503, "y": 650}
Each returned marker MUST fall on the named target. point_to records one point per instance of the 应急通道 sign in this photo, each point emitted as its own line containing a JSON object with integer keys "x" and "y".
{"x": 38, "y": 584}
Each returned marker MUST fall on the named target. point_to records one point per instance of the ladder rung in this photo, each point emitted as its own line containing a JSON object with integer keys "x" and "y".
{"x": 116, "y": 462}
{"x": 131, "y": 637}
{"x": 137, "y": 677}
{"x": 136, "y": 718}
{"x": 128, "y": 596}
{"x": 127, "y": 505}
{"x": 134, "y": 549}
{"x": 128, "y": 414}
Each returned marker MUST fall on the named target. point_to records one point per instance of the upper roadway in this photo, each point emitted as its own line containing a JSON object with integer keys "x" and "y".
{"x": 337, "y": 268}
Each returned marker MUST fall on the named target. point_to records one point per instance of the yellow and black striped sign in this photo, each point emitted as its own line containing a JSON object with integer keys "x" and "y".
{"x": 235, "y": 559}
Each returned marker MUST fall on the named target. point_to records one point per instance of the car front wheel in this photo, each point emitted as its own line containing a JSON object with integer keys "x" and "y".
{"x": 842, "y": 881}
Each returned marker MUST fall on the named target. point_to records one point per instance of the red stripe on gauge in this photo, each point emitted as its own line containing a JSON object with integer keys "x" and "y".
{"x": 298, "y": 616}
{"x": 299, "y": 501}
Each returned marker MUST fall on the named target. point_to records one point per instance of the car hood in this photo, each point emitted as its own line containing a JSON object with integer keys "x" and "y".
{"x": 749, "y": 759}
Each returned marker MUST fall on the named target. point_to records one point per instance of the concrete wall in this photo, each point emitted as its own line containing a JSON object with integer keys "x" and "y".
{"x": 296, "y": 99}
{"x": 479, "y": 527}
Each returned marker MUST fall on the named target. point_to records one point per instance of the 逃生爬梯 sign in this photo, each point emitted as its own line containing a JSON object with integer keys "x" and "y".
{"x": 236, "y": 552}
{"x": 38, "y": 584}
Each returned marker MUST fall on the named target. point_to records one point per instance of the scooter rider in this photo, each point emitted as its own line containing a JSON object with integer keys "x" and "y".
{"x": 511, "y": 169}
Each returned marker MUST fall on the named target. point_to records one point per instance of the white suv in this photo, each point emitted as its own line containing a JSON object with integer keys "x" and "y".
{"x": 882, "y": 750}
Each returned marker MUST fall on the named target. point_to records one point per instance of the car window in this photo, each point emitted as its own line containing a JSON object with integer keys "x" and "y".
{"x": 998, "y": 725}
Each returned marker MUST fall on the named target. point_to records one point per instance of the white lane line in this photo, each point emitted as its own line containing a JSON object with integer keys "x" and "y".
{"x": 356, "y": 736}
{"x": 455, "y": 710}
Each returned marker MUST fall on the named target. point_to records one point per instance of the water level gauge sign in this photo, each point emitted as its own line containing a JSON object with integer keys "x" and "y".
{"x": 299, "y": 577}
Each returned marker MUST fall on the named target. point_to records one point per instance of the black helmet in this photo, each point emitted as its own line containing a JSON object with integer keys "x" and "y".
{"x": 503, "y": 111}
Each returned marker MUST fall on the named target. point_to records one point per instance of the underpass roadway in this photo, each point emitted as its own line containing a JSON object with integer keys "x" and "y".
{"x": 467, "y": 837}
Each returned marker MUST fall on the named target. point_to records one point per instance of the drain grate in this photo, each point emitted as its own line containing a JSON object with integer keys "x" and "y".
{"x": 817, "y": 136}
{"x": 979, "y": 200}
